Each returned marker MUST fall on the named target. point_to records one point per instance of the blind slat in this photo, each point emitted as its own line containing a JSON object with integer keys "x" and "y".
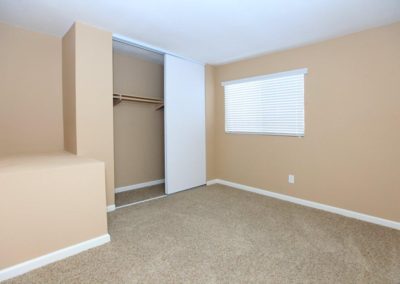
{"x": 273, "y": 105}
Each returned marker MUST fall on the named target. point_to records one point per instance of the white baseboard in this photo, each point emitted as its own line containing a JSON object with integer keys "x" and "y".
{"x": 328, "y": 208}
{"x": 139, "y": 185}
{"x": 57, "y": 255}
{"x": 213, "y": 181}
{"x": 111, "y": 208}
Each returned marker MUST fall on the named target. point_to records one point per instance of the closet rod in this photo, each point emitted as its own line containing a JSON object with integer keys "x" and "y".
{"x": 118, "y": 98}
{"x": 137, "y": 99}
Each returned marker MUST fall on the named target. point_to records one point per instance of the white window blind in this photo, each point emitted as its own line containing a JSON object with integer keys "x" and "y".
{"x": 271, "y": 104}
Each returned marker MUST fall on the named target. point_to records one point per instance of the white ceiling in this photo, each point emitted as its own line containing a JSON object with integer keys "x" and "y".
{"x": 209, "y": 31}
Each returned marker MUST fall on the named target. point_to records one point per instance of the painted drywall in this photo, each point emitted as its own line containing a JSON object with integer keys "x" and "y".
{"x": 69, "y": 102}
{"x": 30, "y": 86}
{"x": 349, "y": 156}
{"x": 138, "y": 127}
{"x": 210, "y": 121}
{"x": 53, "y": 201}
{"x": 89, "y": 83}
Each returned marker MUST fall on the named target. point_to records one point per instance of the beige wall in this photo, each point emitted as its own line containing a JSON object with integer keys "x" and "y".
{"x": 31, "y": 120}
{"x": 91, "y": 90}
{"x": 38, "y": 217}
{"x": 30, "y": 88}
{"x": 69, "y": 87}
{"x": 138, "y": 127}
{"x": 349, "y": 156}
{"x": 210, "y": 121}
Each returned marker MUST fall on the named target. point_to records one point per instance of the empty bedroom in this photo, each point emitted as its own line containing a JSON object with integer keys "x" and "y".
{"x": 200, "y": 141}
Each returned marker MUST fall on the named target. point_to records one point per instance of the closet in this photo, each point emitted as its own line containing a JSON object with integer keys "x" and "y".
{"x": 159, "y": 123}
{"x": 138, "y": 85}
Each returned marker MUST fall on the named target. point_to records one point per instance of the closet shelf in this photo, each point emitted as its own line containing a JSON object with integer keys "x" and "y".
{"x": 117, "y": 98}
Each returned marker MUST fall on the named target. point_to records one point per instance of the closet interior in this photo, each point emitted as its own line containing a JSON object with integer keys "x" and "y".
{"x": 138, "y": 99}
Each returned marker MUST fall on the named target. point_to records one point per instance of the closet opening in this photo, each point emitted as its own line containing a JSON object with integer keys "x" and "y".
{"x": 138, "y": 82}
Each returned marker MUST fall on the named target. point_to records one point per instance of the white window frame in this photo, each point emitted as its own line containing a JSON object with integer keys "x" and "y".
{"x": 302, "y": 71}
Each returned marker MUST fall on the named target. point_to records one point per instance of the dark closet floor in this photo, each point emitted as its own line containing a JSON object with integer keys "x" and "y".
{"x": 132, "y": 196}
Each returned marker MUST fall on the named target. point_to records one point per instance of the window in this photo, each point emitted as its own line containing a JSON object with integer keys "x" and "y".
{"x": 271, "y": 104}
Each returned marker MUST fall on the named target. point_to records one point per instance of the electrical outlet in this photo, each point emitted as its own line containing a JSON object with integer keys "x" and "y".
{"x": 291, "y": 179}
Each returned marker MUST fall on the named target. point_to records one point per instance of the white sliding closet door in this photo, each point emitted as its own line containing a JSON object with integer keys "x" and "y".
{"x": 184, "y": 99}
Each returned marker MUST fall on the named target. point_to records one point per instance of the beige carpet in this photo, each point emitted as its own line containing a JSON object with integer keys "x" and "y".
{"x": 128, "y": 197}
{"x": 223, "y": 235}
